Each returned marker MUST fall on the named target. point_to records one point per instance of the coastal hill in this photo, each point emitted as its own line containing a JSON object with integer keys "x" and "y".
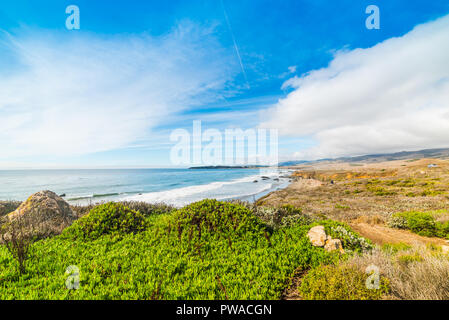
{"x": 403, "y": 155}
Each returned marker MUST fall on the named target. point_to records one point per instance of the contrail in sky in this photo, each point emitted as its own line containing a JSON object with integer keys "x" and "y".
{"x": 235, "y": 44}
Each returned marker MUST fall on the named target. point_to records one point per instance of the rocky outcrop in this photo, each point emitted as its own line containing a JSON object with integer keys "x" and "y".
{"x": 44, "y": 214}
{"x": 318, "y": 238}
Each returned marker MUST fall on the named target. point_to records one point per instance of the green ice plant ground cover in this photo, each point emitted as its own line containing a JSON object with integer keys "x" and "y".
{"x": 207, "y": 250}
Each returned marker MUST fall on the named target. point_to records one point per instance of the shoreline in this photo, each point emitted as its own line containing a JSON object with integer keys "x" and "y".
{"x": 280, "y": 182}
{"x": 247, "y": 188}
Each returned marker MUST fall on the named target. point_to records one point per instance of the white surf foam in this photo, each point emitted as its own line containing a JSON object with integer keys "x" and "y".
{"x": 242, "y": 187}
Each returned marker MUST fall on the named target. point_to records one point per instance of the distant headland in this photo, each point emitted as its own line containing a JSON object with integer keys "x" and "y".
{"x": 229, "y": 167}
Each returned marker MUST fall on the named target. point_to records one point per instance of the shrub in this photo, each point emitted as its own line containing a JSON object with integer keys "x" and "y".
{"x": 82, "y": 210}
{"x": 379, "y": 191}
{"x": 442, "y": 229}
{"x": 406, "y": 259}
{"x": 407, "y": 183}
{"x": 421, "y": 223}
{"x": 373, "y": 182}
{"x": 398, "y": 222}
{"x": 395, "y": 247}
{"x": 279, "y": 217}
{"x": 108, "y": 218}
{"x": 215, "y": 218}
{"x": 18, "y": 236}
{"x": 392, "y": 182}
{"x": 148, "y": 209}
{"x": 350, "y": 240}
{"x": 431, "y": 193}
{"x": 339, "y": 283}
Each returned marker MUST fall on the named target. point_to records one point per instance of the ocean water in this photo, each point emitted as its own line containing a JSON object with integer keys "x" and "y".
{"x": 173, "y": 186}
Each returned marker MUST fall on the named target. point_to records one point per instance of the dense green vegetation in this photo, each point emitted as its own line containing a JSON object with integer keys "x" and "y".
{"x": 207, "y": 250}
{"x": 108, "y": 218}
{"x": 422, "y": 223}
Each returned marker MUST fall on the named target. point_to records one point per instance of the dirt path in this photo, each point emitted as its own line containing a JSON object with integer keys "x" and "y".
{"x": 291, "y": 293}
{"x": 380, "y": 235}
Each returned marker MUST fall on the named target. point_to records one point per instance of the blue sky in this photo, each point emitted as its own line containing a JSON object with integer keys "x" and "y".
{"x": 110, "y": 93}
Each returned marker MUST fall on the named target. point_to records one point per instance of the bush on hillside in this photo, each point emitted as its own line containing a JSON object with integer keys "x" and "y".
{"x": 422, "y": 223}
{"x": 442, "y": 229}
{"x": 398, "y": 222}
{"x": 108, "y": 218}
{"x": 18, "y": 236}
{"x": 339, "y": 283}
{"x": 216, "y": 218}
{"x": 147, "y": 209}
{"x": 280, "y": 217}
{"x": 350, "y": 240}
{"x": 277, "y": 217}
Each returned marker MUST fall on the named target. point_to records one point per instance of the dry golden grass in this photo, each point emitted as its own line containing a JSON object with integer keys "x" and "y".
{"x": 416, "y": 273}
{"x": 344, "y": 192}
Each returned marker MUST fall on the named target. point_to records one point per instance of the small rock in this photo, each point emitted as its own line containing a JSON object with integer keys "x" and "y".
{"x": 334, "y": 244}
{"x": 317, "y": 236}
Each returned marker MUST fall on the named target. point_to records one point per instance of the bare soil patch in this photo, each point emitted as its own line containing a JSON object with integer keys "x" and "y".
{"x": 381, "y": 234}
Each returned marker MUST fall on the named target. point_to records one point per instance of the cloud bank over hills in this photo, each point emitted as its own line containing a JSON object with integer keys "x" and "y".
{"x": 390, "y": 97}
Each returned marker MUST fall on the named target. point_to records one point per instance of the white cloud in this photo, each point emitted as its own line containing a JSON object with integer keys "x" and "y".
{"x": 391, "y": 97}
{"x": 292, "y": 69}
{"x": 75, "y": 93}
